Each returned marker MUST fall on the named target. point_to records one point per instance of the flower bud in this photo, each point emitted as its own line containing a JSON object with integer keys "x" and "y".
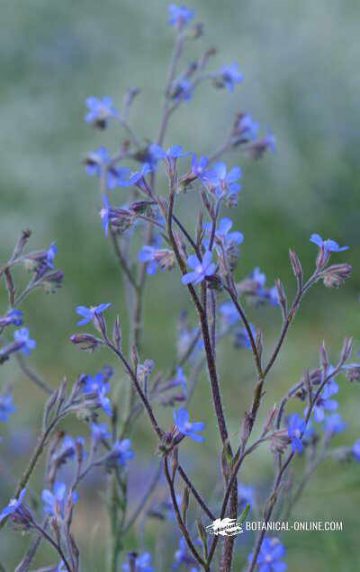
{"x": 335, "y": 275}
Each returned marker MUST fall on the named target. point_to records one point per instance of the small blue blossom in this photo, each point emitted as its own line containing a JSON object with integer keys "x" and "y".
{"x": 54, "y": 502}
{"x": 201, "y": 269}
{"x": 50, "y": 255}
{"x": 99, "y": 432}
{"x": 180, "y": 16}
{"x": 155, "y": 258}
{"x": 26, "y": 344}
{"x": 327, "y": 245}
{"x": 334, "y": 424}
{"x": 95, "y": 389}
{"x": 182, "y": 90}
{"x": 171, "y": 155}
{"x": 324, "y": 403}
{"x": 100, "y": 111}
{"x": 89, "y": 314}
{"x": 7, "y": 407}
{"x": 246, "y": 496}
{"x": 14, "y": 506}
{"x": 242, "y": 339}
{"x": 246, "y": 128}
{"x": 121, "y": 453}
{"x": 270, "y": 557}
{"x": 12, "y": 318}
{"x": 229, "y": 313}
{"x": 137, "y": 177}
{"x": 184, "y": 426}
{"x": 356, "y": 450}
{"x": 139, "y": 563}
{"x": 296, "y": 426}
{"x": 105, "y": 214}
{"x": 229, "y": 76}
{"x": 260, "y": 146}
{"x": 183, "y": 557}
{"x": 180, "y": 379}
{"x": 223, "y": 183}
{"x": 198, "y": 166}
{"x": 255, "y": 286}
{"x": 223, "y": 236}
{"x": 99, "y": 161}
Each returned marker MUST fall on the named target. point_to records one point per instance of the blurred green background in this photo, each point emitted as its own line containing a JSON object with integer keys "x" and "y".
{"x": 300, "y": 62}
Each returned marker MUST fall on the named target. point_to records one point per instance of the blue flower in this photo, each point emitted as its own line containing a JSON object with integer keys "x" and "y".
{"x": 105, "y": 214}
{"x": 255, "y": 286}
{"x": 246, "y": 496}
{"x": 89, "y": 314}
{"x": 140, "y": 563}
{"x": 296, "y": 426}
{"x": 182, "y": 90}
{"x": 137, "y": 177}
{"x": 26, "y": 344}
{"x": 246, "y": 128}
{"x": 180, "y": 379}
{"x": 183, "y": 556}
{"x": 171, "y": 155}
{"x": 99, "y": 161}
{"x": 12, "y": 318}
{"x": 324, "y": 403}
{"x": 229, "y": 76}
{"x": 356, "y": 450}
{"x": 14, "y": 506}
{"x": 179, "y": 16}
{"x": 121, "y": 453}
{"x": 95, "y": 389}
{"x": 242, "y": 339}
{"x": 223, "y": 236}
{"x": 201, "y": 269}
{"x": 156, "y": 258}
{"x": 7, "y": 407}
{"x": 198, "y": 166}
{"x": 147, "y": 255}
{"x": 229, "y": 313}
{"x": 99, "y": 432}
{"x": 184, "y": 426}
{"x": 54, "y": 502}
{"x": 334, "y": 424}
{"x": 270, "y": 557}
{"x": 100, "y": 111}
{"x": 327, "y": 245}
{"x": 50, "y": 255}
{"x": 223, "y": 183}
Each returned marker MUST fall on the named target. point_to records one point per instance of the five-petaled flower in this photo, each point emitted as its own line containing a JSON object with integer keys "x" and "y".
{"x": 186, "y": 427}
{"x": 270, "y": 557}
{"x": 138, "y": 563}
{"x": 201, "y": 269}
{"x": 100, "y": 111}
{"x": 26, "y": 344}
{"x": 223, "y": 183}
{"x": 296, "y": 426}
{"x": 328, "y": 245}
{"x": 89, "y": 314}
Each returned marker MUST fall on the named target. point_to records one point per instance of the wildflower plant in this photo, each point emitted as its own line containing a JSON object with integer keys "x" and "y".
{"x": 136, "y": 207}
